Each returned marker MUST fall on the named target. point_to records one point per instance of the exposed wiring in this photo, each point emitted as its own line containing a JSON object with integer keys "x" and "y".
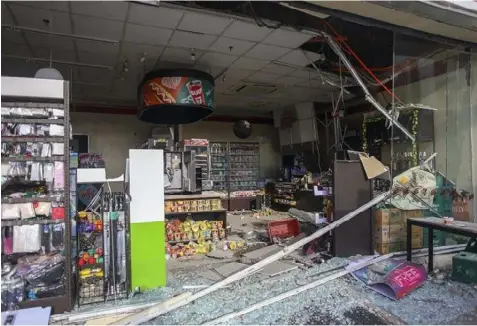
{"x": 363, "y": 65}
{"x": 259, "y": 21}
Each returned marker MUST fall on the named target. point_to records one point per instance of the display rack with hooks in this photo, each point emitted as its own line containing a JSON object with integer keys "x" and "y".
{"x": 36, "y": 228}
{"x": 103, "y": 270}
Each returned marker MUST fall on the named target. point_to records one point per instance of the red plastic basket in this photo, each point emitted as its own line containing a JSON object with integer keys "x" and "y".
{"x": 282, "y": 229}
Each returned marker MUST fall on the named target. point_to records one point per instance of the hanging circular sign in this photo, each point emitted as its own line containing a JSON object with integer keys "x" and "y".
{"x": 176, "y": 96}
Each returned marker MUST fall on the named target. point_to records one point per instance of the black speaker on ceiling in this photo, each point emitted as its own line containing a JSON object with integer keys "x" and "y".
{"x": 242, "y": 129}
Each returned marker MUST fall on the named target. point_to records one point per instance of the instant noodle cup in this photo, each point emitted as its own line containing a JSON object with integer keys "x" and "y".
{"x": 221, "y": 233}
{"x": 220, "y": 224}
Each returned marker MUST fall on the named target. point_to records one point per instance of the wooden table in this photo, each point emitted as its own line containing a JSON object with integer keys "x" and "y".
{"x": 467, "y": 229}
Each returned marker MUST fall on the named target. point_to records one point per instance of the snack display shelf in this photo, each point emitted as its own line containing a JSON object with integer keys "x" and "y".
{"x": 195, "y": 212}
{"x": 187, "y": 241}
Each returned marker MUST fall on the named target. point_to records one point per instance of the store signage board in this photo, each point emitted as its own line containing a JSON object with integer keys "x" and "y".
{"x": 176, "y": 96}
{"x": 178, "y": 90}
{"x": 395, "y": 279}
{"x": 33, "y": 87}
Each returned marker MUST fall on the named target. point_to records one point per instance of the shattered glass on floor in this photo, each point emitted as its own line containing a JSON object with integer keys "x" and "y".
{"x": 341, "y": 301}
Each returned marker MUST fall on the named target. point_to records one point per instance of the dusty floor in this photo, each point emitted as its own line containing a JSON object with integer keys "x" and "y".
{"x": 341, "y": 301}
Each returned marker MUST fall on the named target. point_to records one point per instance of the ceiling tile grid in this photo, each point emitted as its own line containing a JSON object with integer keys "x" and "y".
{"x": 34, "y": 18}
{"x": 115, "y": 10}
{"x": 266, "y": 52}
{"x": 263, "y": 77}
{"x": 284, "y": 38}
{"x": 249, "y": 63}
{"x": 217, "y": 59}
{"x": 231, "y": 46}
{"x": 55, "y": 42}
{"x": 180, "y": 55}
{"x": 147, "y": 35}
{"x": 146, "y": 15}
{"x": 47, "y": 5}
{"x": 278, "y": 69}
{"x": 192, "y": 40}
{"x": 246, "y": 31}
{"x": 97, "y": 27}
{"x": 205, "y": 24}
{"x": 233, "y": 51}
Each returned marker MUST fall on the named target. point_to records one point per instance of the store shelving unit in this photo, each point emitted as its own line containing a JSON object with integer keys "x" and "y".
{"x": 219, "y": 166}
{"x": 235, "y": 166}
{"x": 189, "y": 209}
{"x": 39, "y": 106}
{"x": 284, "y": 196}
{"x": 201, "y": 148}
{"x": 244, "y": 166}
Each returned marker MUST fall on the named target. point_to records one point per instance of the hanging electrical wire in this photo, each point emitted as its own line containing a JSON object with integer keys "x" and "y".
{"x": 362, "y": 64}
{"x": 259, "y": 20}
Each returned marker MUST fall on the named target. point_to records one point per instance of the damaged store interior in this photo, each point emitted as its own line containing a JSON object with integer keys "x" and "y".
{"x": 238, "y": 163}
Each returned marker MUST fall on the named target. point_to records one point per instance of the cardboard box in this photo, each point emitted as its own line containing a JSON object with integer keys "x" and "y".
{"x": 417, "y": 231}
{"x": 387, "y": 247}
{"x": 389, "y": 233}
{"x": 394, "y": 246}
{"x": 417, "y": 242}
{"x": 460, "y": 210}
{"x": 417, "y": 213}
{"x": 388, "y": 216}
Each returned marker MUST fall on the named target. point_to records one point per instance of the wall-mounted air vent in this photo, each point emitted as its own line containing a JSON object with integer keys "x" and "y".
{"x": 252, "y": 89}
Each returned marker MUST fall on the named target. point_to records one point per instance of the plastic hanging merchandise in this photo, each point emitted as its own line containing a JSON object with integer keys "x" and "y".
{"x": 26, "y": 238}
{"x": 7, "y": 240}
{"x": 59, "y": 175}
{"x": 27, "y": 210}
{"x": 10, "y": 211}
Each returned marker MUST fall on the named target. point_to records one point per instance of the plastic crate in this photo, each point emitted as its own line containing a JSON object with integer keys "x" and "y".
{"x": 464, "y": 267}
{"x": 283, "y": 229}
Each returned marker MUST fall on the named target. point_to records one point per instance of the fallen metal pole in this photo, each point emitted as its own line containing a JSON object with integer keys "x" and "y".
{"x": 258, "y": 266}
{"x": 296, "y": 291}
{"x": 78, "y": 317}
{"x": 335, "y": 47}
{"x": 436, "y": 249}
{"x": 146, "y": 312}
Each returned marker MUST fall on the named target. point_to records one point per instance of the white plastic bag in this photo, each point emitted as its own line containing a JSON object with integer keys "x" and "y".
{"x": 10, "y": 211}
